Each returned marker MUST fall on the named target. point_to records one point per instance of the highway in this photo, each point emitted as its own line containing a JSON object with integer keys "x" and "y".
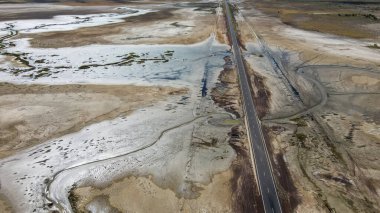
{"x": 264, "y": 174}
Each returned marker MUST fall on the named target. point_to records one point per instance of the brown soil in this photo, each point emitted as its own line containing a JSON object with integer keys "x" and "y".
{"x": 32, "y": 114}
{"x": 245, "y": 194}
{"x": 221, "y": 33}
{"x": 132, "y": 194}
{"x": 143, "y": 27}
{"x": 90, "y": 35}
{"x": 326, "y": 16}
{"x": 260, "y": 93}
{"x": 224, "y": 94}
{"x": 7, "y": 16}
{"x": 4, "y": 205}
{"x": 288, "y": 193}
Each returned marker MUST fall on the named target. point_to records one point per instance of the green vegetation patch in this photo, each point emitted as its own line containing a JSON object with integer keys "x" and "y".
{"x": 301, "y": 137}
{"x": 73, "y": 199}
{"x": 45, "y": 72}
{"x": 40, "y": 61}
{"x": 131, "y": 56}
{"x": 300, "y": 122}
{"x": 231, "y": 122}
{"x": 83, "y": 67}
{"x": 368, "y": 16}
{"x": 169, "y": 53}
{"x": 20, "y": 58}
{"x": 374, "y": 46}
{"x": 16, "y": 72}
{"x": 204, "y": 6}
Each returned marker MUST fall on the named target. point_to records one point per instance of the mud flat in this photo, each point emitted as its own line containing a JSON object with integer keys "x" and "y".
{"x": 353, "y": 19}
{"x": 130, "y": 118}
{"x": 143, "y": 190}
{"x": 321, "y": 112}
{"x": 236, "y": 183}
{"x": 182, "y": 23}
{"x": 32, "y": 114}
{"x": 11, "y": 12}
{"x": 147, "y": 141}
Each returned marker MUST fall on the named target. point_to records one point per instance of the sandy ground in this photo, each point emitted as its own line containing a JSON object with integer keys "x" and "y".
{"x": 46, "y": 11}
{"x": 169, "y": 25}
{"x": 325, "y": 127}
{"x": 4, "y": 205}
{"x": 101, "y": 147}
{"x": 310, "y": 47}
{"x": 359, "y": 20}
{"x": 132, "y": 194}
{"x": 36, "y": 113}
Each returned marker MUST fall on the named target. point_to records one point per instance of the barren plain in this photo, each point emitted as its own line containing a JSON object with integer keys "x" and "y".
{"x": 108, "y": 106}
{"x": 134, "y": 106}
{"x": 316, "y": 74}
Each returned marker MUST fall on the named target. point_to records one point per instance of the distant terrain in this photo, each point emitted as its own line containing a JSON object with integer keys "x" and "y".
{"x": 137, "y": 106}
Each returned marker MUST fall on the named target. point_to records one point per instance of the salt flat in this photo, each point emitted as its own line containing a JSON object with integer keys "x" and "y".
{"x": 169, "y": 140}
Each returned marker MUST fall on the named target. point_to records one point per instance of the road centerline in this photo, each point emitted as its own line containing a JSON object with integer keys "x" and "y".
{"x": 270, "y": 199}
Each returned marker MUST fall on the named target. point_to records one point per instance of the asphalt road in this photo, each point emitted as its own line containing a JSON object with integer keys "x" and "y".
{"x": 263, "y": 168}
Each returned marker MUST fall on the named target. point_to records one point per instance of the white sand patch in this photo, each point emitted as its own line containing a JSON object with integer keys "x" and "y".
{"x": 336, "y": 45}
{"x": 157, "y": 139}
{"x": 69, "y": 22}
{"x": 27, "y": 170}
{"x": 27, "y": 7}
{"x": 3, "y": 33}
{"x": 64, "y": 64}
{"x": 164, "y": 28}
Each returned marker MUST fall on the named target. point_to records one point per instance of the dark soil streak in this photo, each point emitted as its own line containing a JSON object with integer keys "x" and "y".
{"x": 234, "y": 9}
{"x": 286, "y": 183}
{"x": 243, "y": 179}
{"x": 261, "y": 95}
{"x": 287, "y": 192}
{"x": 246, "y": 196}
{"x": 221, "y": 93}
{"x": 148, "y": 17}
